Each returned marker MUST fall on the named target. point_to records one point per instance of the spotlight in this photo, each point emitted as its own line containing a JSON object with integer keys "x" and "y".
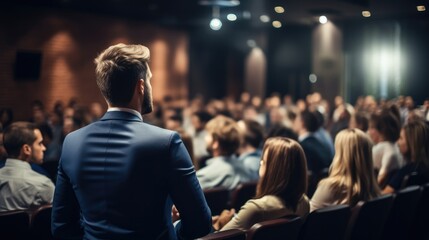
{"x": 312, "y": 78}
{"x": 215, "y": 24}
{"x": 323, "y": 19}
{"x": 366, "y": 13}
{"x": 279, "y": 9}
{"x": 264, "y": 18}
{"x": 277, "y": 24}
{"x": 421, "y": 8}
{"x": 231, "y": 17}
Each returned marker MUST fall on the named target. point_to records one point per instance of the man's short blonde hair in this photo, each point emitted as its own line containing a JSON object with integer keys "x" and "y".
{"x": 118, "y": 68}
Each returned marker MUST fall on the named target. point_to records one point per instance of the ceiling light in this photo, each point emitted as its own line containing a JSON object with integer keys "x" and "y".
{"x": 312, "y": 78}
{"x": 279, "y": 9}
{"x": 231, "y": 17}
{"x": 264, "y": 18}
{"x": 215, "y": 24}
{"x": 366, "y": 13}
{"x": 277, "y": 24}
{"x": 421, "y": 8}
{"x": 323, "y": 19}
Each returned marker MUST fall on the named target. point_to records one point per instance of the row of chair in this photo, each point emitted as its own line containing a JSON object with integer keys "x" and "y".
{"x": 404, "y": 215}
{"x": 29, "y": 224}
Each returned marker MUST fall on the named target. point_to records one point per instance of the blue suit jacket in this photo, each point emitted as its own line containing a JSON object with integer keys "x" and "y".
{"x": 117, "y": 179}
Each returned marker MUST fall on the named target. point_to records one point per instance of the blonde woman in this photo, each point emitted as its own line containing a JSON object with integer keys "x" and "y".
{"x": 280, "y": 190}
{"x": 350, "y": 177}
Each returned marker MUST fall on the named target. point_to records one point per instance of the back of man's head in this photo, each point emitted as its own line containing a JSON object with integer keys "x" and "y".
{"x": 118, "y": 69}
{"x": 16, "y": 135}
{"x": 309, "y": 121}
{"x": 225, "y": 131}
{"x": 253, "y": 133}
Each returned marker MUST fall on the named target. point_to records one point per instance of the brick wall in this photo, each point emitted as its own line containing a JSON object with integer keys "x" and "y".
{"x": 69, "y": 42}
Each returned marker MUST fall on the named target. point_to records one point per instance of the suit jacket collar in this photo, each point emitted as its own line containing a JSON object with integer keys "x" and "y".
{"x": 120, "y": 115}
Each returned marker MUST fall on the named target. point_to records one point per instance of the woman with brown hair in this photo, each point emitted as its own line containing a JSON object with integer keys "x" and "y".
{"x": 350, "y": 177}
{"x": 280, "y": 190}
{"x": 413, "y": 144}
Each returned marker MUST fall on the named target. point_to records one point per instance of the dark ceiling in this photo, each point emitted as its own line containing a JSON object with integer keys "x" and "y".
{"x": 196, "y": 13}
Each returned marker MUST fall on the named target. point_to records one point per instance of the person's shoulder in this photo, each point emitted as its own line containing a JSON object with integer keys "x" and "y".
{"x": 157, "y": 131}
{"x": 266, "y": 202}
{"x": 38, "y": 179}
{"x": 327, "y": 184}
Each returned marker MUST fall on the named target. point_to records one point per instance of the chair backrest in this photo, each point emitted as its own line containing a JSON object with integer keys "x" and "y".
{"x": 241, "y": 194}
{"x": 276, "y": 229}
{"x": 217, "y": 199}
{"x": 326, "y": 223}
{"x": 14, "y": 225}
{"x": 232, "y": 234}
{"x": 402, "y": 213}
{"x": 368, "y": 218}
{"x": 414, "y": 178}
{"x": 40, "y": 227}
{"x": 419, "y": 228}
{"x": 314, "y": 179}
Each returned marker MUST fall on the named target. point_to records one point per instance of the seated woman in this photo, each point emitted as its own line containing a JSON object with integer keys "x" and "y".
{"x": 413, "y": 144}
{"x": 350, "y": 179}
{"x": 280, "y": 190}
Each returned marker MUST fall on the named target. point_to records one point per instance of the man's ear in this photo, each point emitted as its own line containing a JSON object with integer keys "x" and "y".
{"x": 215, "y": 144}
{"x": 140, "y": 86}
{"x": 26, "y": 149}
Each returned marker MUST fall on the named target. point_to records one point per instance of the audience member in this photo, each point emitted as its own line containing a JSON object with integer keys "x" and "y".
{"x": 22, "y": 188}
{"x": 118, "y": 177}
{"x": 6, "y": 117}
{"x": 279, "y": 130}
{"x": 317, "y": 154}
{"x": 384, "y": 129}
{"x": 359, "y": 120}
{"x": 280, "y": 190}
{"x": 223, "y": 169}
{"x": 322, "y": 135}
{"x": 199, "y": 120}
{"x": 3, "y": 153}
{"x": 249, "y": 152}
{"x": 350, "y": 176}
{"x": 413, "y": 144}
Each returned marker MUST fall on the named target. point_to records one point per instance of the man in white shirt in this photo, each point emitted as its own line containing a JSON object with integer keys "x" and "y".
{"x": 20, "y": 187}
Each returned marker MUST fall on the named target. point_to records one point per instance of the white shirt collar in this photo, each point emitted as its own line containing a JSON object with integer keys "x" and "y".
{"x": 303, "y": 136}
{"x": 129, "y": 110}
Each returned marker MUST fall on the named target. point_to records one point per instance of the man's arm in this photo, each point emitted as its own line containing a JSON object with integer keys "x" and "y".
{"x": 186, "y": 193}
{"x": 65, "y": 210}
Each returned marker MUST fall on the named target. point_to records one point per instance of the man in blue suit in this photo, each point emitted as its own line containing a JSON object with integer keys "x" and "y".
{"x": 118, "y": 177}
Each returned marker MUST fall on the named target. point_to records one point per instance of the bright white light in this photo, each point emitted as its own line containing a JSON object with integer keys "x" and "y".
{"x": 231, "y": 17}
{"x": 279, "y": 9}
{"x": 215, "y": 24}
{"x": 277, "y": 24}
{"x": 323, "y": 19}
{"x": 312, "y": 78}
{"x": 264, "y": 18}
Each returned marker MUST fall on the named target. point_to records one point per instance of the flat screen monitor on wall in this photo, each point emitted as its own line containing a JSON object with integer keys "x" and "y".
{"x": 27, "y": 65}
